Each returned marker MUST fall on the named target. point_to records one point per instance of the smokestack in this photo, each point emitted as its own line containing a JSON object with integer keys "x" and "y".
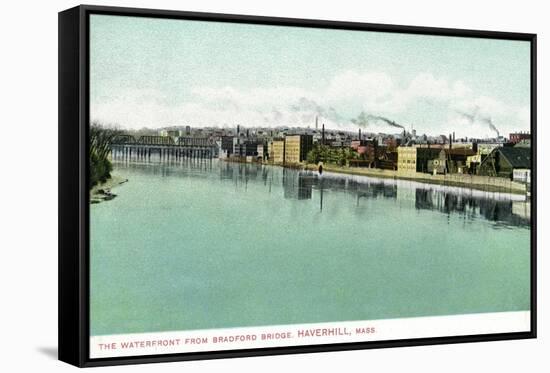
{"x": 238, "y": 130}
{"x": 323, "y": 135}
{"x": 316, "y": 122}
{"x": 454, "y": 139}
{"x": 247, "y": 132}
{"x": 450, "y": 141}
{"x": 359, "y": 134}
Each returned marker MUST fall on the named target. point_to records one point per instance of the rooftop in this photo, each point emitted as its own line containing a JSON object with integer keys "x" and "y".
{"x": 518, "y": 157}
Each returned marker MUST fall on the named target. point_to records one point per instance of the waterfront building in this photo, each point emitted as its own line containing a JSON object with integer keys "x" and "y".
{"x": 523, "y": 175}
{"x": 406, "y": 159}
{"x": 388, "y": 161}
{"x": 251, "y": 148}
{"x": 425, "y": 154}
{"x": 482, "y": 150}
{"x": 450, "y": 161}
{"x": 415, "y": 158}
{"x": 244, "y": 147}
{"x": 237, "y": 145}
{"x": 290, "y": 149}
{"x": 518, "y": 136}
{"x": 276, "y": 148}
{"x": 297, "y": 147}
{"x": 227, "y": 145}
{"x": 438, "y": 165}
{"x": 525, "y": 143}
{"x": 260, "y": 151}
{"x": 503, "y": 161}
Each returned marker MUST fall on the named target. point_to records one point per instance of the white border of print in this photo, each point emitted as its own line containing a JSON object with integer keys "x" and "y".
{"x": 307, "y": 334}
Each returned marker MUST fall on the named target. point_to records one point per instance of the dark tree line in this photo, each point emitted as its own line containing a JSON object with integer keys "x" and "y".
{"x": 100, "y": 148}
{"x": 328, "y": 154}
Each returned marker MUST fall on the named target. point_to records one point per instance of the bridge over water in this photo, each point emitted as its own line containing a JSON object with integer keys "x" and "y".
{"x": 162, "y": 148}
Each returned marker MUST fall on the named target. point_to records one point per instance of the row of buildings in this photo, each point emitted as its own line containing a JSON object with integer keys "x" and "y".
{"x": 290, "y": 149}
{"x": 508, "y": 160}
{"x": 287, "y": 148}
{"x": 405, "y": 152}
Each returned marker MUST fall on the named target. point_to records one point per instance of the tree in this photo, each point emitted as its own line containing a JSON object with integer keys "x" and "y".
{"x": 327, "y": 154}
{"x": 101, "y": 138}
{"x": 314, "y": 155}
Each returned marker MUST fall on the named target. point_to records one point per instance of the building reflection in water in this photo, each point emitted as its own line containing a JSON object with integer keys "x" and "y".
{"x": 471, "y": 205}
{"x": 298, "y": 184}
{"x": 303, "y": 185}
{"x": 309, "y": 185}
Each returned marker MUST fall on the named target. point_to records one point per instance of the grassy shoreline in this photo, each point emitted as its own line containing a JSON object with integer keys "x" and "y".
{"x": 484, "y": 183}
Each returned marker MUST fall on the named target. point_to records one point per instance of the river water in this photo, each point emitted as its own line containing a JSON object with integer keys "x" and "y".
{"x": 201, "y": 245}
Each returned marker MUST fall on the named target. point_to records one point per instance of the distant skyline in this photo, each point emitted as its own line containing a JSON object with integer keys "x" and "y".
{"x": 147, "y": 72}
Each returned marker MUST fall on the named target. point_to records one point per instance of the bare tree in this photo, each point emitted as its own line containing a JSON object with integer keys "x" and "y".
{"x": 101, "y": 138}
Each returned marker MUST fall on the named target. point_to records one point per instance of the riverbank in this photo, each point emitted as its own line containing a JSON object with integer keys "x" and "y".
{"x": 483, "y": 183}
{"x": 102, "y": 192}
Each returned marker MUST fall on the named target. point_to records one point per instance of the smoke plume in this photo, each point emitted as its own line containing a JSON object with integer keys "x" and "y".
{"x": 307, "y": 109}
{"x": 364, "y": 120}
{"x": 474, "y": 116}
{"x": 488, "y": 121}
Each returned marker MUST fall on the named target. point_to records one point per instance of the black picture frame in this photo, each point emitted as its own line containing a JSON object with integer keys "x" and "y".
{"x": 73, "y": 181}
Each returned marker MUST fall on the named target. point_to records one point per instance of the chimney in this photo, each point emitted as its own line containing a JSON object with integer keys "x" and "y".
{"x": 454, "y": 139}
{"x": 247, "y": 133}
{"x": 450, "y": 141}
{"x": 238, "y": 129}
{"x": 359, "y": 134}
{"x": 316, "y": 122}
{"x": 323, "y": 135}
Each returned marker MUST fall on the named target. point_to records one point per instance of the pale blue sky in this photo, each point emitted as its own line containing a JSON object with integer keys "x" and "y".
{"x": 159, "y": 72}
